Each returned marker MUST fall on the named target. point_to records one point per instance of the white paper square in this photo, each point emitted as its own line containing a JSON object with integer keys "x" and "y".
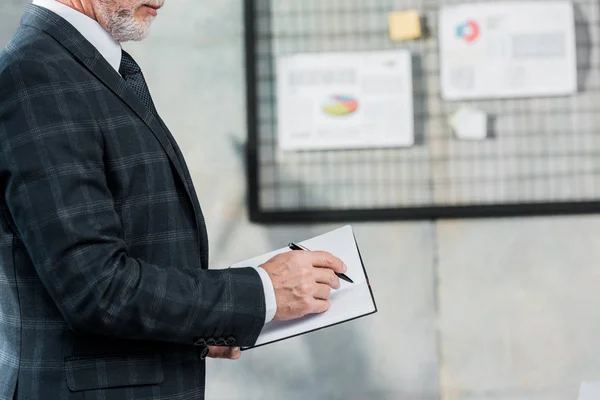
{"x": 345, "y": 100}
{"x": 507, "y": 49}
{"x": 469, "y": 123}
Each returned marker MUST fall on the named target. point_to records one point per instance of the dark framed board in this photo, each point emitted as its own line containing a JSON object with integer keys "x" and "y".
{"x": 542, "y": 156}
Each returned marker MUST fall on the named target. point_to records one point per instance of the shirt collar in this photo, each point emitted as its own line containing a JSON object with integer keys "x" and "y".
{"x": 91, "y": 30}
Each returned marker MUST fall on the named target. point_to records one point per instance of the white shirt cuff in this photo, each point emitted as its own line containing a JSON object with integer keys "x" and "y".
{"x": 270, "y": 301}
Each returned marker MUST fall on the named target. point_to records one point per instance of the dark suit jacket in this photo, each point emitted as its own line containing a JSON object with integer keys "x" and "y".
{"x": 104, "y": 286}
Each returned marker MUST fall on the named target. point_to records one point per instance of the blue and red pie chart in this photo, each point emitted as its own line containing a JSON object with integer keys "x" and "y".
{"x": 468, "y": 31}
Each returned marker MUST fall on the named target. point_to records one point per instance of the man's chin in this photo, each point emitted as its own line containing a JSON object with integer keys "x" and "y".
{"x": 144, "y": 29}
{"x": 132, "y": 35}
{"x": 140, "y": 38}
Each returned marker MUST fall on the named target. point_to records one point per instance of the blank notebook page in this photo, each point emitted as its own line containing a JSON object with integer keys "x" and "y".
{"x": 350, "y": 301}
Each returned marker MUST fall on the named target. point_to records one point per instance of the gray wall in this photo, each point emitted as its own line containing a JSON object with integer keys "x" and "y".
{"x": 488, "y": 309}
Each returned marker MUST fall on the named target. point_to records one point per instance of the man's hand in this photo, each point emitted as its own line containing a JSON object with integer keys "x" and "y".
{"x": 230, "y": 353}
{"x": 303, "y": 281}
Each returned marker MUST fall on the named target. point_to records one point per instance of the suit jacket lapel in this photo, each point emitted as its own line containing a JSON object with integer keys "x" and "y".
{"x": 199, "y": 216}
{"x": 105, "y": 73}
{"x": 86, "y": 53}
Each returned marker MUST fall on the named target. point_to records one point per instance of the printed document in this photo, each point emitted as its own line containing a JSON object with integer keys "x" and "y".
{"x": 507, "y": 49}
{"x": 345, "y": 100}
{"x": 349, "y": 302}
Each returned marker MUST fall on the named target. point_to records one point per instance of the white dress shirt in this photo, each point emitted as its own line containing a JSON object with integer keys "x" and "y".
{"x": 110, "y": 49}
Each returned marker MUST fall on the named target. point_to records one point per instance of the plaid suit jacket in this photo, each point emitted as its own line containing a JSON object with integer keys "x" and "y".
{"x": 104, "y": 287}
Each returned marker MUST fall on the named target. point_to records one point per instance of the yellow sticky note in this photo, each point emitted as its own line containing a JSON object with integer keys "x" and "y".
{"x": 405, "y": 25}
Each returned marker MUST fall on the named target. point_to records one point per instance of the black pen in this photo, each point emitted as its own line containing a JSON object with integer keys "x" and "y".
{"x": 295, "y": 246}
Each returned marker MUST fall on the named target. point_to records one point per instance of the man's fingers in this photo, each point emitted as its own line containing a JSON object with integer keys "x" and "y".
{"x": 215, "y": 352}
{"x": 324, "y": 259}
{"x": 232, "y": 353}
{"x": 320, "y": 306}
{"x": 218, "y": 352}
{"x": 327, "y": 277}
{"x": 322, "y": 292}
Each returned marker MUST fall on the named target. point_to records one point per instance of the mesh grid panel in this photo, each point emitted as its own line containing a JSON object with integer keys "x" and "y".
{"x": 541, "y": 150}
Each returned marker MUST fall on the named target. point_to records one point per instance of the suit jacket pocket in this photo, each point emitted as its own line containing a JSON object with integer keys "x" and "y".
{"x": 102, "y": 372}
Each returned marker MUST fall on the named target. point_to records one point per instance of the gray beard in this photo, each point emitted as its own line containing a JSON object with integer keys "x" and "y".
{"x": 123, "y": 26}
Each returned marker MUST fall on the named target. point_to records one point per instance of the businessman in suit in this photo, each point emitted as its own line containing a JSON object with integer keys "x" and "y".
{"x": 105, "y": 291}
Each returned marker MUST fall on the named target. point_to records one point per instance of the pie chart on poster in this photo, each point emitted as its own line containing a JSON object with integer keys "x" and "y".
{"x": 339, "y": 105}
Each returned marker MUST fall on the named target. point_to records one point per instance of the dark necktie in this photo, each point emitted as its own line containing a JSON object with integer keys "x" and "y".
{"x": 132, "y": 73}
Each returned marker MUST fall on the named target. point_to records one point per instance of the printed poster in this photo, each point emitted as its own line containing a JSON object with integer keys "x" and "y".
{"x": 507, "y": 49}
{"x": 345, "y": 100}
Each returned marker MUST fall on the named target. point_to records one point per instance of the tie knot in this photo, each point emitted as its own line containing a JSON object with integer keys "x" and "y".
{"x": 128, "y": 65}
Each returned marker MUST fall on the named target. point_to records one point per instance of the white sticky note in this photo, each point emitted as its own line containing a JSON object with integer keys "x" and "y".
{"x": 589, "y": 391}
{"x": 508, "y": 49}
{"x": 469, "y": 123}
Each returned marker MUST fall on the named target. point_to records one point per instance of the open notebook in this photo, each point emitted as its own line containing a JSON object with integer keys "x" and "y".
{"x": 350, "y": 301}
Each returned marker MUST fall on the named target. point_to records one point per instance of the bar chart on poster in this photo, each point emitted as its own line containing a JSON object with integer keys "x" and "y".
{"x": 364, "y": 110}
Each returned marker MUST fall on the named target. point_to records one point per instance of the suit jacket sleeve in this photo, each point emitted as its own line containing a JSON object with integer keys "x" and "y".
{"x": 51, "y": 163}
